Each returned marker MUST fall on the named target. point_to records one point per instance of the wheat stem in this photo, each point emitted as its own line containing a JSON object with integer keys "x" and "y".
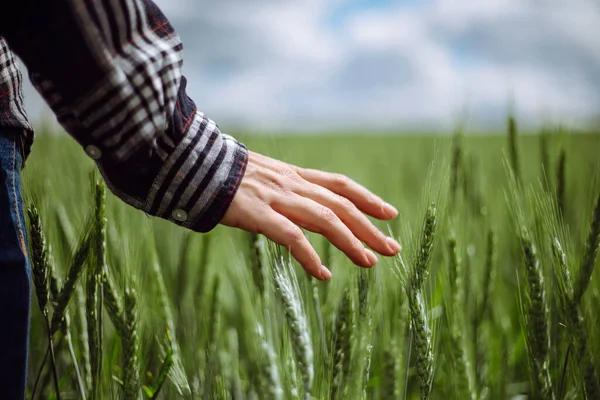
{"x": 164, "y": 369}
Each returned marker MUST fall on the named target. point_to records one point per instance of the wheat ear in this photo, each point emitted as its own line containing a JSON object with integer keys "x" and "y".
{"x": 286, "y": 287}
{"x": 536, "y": 318}
{"x": 41, "y": 269}
{"x": 590, "y": 254}
{"x": 575, "y": 322}
{"x": 131, "y": 386}
{"x": 342, "y": 346}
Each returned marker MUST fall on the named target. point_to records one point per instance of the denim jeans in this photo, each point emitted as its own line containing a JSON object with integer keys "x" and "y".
{"x": 15, "y": 271}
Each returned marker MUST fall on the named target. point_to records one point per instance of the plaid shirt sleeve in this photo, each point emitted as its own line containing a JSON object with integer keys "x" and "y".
{"x": 111, "y": 72}
{"x": 12, "y": 111}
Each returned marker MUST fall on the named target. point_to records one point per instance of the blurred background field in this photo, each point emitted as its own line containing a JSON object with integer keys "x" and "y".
{"x": 392, "y": 165}
{"x": 227, "y": 322}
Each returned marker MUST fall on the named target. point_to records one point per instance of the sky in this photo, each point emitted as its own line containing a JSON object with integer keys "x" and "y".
{"x": 372, "y": 65}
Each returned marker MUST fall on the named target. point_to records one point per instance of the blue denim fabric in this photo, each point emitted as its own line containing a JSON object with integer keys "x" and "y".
{"x": 15, "y": 271}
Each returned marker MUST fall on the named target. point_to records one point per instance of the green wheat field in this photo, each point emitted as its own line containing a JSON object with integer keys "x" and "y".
{"x": 494, "y": 296}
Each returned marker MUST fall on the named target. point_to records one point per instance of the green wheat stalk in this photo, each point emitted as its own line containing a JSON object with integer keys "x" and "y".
{"x": 288, "y": 292}
{"x": 560, "y": 182}
{"x": 575, "y": 322}
{"x": 256, "y": 263}
{"x": 590, "y": 254}
{"x": 513, "y": 147}
{"x": 73, "y": 274}
{"x": 131, "y": 385}
{"x": 413, "y": 280}
{"x": 536, "y": 318}
{"x": 390, "y": 371}
{"x": 41, "y": 268}
{"x": 341, "y": 353}
{"x": 66, "y": 330}
{"x": 113, "y": 305}
{"x": 178, "y": 374}
{"x": 456, "y": 308}
{"x": 269, "y": 369}
{"x": 82, "y": 329}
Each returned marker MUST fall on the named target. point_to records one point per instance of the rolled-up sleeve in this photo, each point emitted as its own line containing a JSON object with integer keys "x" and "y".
{"x": 111, "y": 72}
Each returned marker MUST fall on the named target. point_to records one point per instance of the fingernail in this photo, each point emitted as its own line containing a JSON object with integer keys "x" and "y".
{"x": 325, "y": 273}
{"x": 393, "y": 245}
{"x": 390, "y": 210}
{"x": 371, "y": 257}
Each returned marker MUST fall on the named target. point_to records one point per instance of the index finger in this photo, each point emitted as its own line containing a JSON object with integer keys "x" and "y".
{"x": 364, "y": 199}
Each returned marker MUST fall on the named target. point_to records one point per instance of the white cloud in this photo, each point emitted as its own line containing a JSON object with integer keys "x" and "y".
{"x": 284, "y": 64}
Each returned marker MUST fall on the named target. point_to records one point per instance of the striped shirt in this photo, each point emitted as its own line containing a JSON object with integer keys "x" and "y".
{"x": 111, "y": 72}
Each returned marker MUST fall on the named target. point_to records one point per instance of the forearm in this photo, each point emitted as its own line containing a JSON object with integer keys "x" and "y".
{"x": 113, "y": 78}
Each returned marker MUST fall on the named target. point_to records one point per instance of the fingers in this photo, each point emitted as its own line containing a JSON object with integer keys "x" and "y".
{"x": 320, "y": 219}
{"x": 275, "y": 198}
{"x": 365, "y": 200}
{"x": 285, "y": 233}
{"x": 351, "y": 216}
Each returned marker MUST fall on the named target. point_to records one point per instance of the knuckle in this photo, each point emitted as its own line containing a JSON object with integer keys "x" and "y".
{"x": 327, "y": 215}
{"x": 294, "y": 234}
{"x": 341, "y": 181}
{"x": 344, "y": 204}
{"x": 274, "y": 183}
{"x": 282, "y": 180}
{"x": 287, "y": 173}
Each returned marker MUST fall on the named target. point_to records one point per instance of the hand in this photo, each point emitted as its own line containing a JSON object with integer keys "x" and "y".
{"x": 274, "y": 198}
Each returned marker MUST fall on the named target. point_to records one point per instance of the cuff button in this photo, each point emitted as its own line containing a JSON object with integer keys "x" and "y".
{"x": 179, "y": 215}
{"x": 93, "y": 152}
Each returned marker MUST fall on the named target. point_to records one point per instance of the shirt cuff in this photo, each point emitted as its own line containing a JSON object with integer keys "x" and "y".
{"x": 199, "y": 178}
